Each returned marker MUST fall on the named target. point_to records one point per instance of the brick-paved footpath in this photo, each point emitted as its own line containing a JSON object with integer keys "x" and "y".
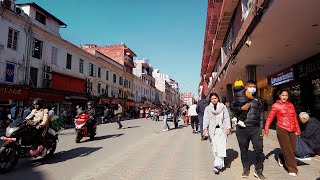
{"x": 179, "y": 154}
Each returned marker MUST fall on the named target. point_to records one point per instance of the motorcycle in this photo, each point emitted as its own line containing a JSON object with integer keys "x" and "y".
{"x": 20, "y": 142}
{"x": 85, "y": 127}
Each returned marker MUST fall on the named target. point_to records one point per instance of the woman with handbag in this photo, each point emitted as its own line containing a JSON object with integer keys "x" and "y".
{"x": 216, "y": 123}
{"x": 287, "y": 130}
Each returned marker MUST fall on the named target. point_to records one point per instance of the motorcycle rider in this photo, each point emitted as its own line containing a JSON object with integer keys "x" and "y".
{"x": 92, "y": 113}
{"x": 39, "y": 117}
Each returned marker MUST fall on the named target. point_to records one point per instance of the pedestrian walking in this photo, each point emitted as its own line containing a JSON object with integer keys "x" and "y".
{"x": 165, "y": 112}
{"x": 176, "y": 113}
{"x": 287, "y": 130}
{"x": 253, "y": 131}
{"x": 202, "y": 104}
{"x": 118, "y": 114}
{"x": 192, "y": 113}
{"x": 216, "y": 119}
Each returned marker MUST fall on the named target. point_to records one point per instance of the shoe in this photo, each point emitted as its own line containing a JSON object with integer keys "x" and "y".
{"x": 259, "y": 175}
{"x": 241, "y": 124}
{"x": 279, "y": 160}
{"x": 245, "y": 173}
{"x": 193, "y": 132}
{"x": 216, "y": 170}
{"x": 306, "y": 158}
{"x": 120, "y": 127}
{"x": 293, "y": 174}
{"x": 165, "y": 130}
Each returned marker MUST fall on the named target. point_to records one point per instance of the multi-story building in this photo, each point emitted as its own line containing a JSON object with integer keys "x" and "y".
{"x": 275, "y": 43}
{"x": 124, "y": 56}
{"x": 168, "y": 86}
{"x": 38, "y": 63}
{"x": 187, "y": 98}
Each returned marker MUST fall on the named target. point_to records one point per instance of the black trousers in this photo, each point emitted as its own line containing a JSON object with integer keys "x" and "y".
{"x": 244, "y": 136}
{"x": 194, "y": 122}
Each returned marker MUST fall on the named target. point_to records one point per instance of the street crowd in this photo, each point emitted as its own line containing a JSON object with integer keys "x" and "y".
{"x": 214, "y": 120}
{"x": 298, "y": 139}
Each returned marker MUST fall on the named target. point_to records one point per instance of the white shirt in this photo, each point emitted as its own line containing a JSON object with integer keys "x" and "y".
{"x": 192, "y": 110}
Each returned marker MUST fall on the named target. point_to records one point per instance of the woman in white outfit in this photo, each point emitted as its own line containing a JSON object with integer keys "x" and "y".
{"x": 216, "y": 123}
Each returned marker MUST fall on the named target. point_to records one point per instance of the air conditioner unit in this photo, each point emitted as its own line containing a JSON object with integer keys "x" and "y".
{"x": 18, "y": 10}
{"x": 47, "y": 69}
{"x": 9, "y": 4}
{"x": 46, "y": 83}
{"x": 47, "y": 76}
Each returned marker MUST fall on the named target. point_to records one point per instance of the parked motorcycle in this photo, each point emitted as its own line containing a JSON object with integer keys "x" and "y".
{"x": 85, "y": 126}
{"x": 20, "y": 142}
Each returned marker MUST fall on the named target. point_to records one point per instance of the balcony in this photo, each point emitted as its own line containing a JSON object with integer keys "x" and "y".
{"x": 128, "y": 60}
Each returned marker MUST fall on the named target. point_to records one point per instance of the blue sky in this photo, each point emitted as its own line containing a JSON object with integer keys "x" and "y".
{"x": 167, "y": 32}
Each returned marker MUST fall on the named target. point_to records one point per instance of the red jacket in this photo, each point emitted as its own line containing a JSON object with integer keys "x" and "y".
{"x": 286, "y": 116}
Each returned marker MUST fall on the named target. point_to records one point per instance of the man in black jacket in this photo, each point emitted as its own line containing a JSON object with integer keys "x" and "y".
{"x": 202, "y": 104}
{"x": 253, "y": 131}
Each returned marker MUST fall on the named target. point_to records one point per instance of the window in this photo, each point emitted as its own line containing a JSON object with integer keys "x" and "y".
{"x": 125, "y": 83}
{"x": 120, "y": 81}
{"x": 92, "y": 70}
{"x": 69, "y": 58}
{"x": 99, "y": 72}
{"x": 37, "y": 48}
{"x": 12, "y": 39}
{"x": 129, "y": 84}
{"x": 99, "y": 87}
{"x": 107, "y": 75}
{"x": 107, "y": 90}
{"x": 33, "y": 77}
{"x": 114, "y": 78}
{"x": 41, "y": 18}
{"x": 81, "y": 65}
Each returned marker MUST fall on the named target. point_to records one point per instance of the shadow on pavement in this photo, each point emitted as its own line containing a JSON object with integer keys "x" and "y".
{"x": 277, "y": 151}
{"x": 131, "y": 127}
{"x": 98, "y": 138}
{"x": 27, "y": 174}
{"x": 66, "y": 155}
{"x": 231, "y": 156}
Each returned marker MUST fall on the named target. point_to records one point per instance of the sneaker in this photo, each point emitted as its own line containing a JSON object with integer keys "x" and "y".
{"x": 259, "y": 175}
{"x": 306, "y": 158}
{"x": 241, "y": 124}
{"x": 279, "y": 160}
{"x": 293, "y": 174}
{"x": 216, "y": 170}
{"x": 245, "y": 173}
{"x": 165, "y": 130}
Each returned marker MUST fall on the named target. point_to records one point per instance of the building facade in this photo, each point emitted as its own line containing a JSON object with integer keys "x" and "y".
{"x": 254, "y": 40}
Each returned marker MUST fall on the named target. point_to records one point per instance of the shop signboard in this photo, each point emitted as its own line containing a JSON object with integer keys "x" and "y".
{"x": 105, "y": 101}
{"x": 130, "y": 103}
{"x": 282, "y": 77}
{"x": 309, "y": 68}
{"x": 47, "y": 95}
{"x": 13, "y": 92}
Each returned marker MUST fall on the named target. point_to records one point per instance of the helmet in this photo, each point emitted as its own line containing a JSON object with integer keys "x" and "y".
{"x": 37, "y": 102}
{"x": 90, "y": 103}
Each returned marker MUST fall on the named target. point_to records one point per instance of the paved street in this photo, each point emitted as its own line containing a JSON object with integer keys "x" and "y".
{"x": 142, "y": 151}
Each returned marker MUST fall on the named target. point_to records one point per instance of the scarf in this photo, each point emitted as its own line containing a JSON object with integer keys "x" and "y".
{"x": 216, "y": 113}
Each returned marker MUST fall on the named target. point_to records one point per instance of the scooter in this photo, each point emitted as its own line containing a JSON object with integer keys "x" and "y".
{"x": 85, "y": 126}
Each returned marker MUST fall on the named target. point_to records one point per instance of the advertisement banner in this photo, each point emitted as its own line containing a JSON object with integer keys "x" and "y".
{"x": 10, "y": 72}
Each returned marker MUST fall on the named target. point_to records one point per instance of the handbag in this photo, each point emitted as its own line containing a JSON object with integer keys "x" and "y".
{"x": 302, "y": 149}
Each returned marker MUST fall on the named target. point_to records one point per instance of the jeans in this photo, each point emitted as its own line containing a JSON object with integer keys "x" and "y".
{"x": 119, "y": 121}
{"x": 200, "y": 117}
{"x": 175, "y": 120}
{"x": 165, "y": 122}
{"x": 244, "y": 136}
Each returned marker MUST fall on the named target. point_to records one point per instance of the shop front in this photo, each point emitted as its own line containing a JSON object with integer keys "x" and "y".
{"x": 285, "y": 80}
{"x": 10, "y": 94}
{"x": 307, "y": 73}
